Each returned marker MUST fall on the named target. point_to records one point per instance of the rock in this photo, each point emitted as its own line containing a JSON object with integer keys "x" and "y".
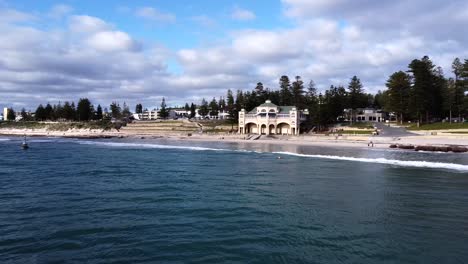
{"x": 393, "y": 146}
{"x": 406, "y": 146}
{"x": 458, "y": 149}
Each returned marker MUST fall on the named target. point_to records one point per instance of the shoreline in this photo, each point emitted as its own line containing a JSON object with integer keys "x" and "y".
{"x": 349, "y": 141}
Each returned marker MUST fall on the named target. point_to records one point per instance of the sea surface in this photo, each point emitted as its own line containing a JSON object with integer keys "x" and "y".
{"x": 159, "y": 201}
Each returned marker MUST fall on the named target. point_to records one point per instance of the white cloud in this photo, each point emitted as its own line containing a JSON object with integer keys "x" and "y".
{"x": 327, "y": 41}
{"x": 11, "y": 16}
{"x": 59, "y": 11}
{"x": 111, "y": 41}
{"x": 87, "y": 24}
{"x": 154, "y": 14}
{"x": 242, "y": 14}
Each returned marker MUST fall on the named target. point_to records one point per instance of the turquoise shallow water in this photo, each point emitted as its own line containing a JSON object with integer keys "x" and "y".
{"x": 117, "y": 201}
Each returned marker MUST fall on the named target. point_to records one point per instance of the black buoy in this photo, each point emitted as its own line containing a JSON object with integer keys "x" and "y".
{"x": 24, "y": 145}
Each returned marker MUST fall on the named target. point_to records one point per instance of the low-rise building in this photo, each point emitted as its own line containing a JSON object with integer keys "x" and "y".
{"x": 148, "y": 115}
{"x": 270, "y": 119}
{"x": 365, "y": 115}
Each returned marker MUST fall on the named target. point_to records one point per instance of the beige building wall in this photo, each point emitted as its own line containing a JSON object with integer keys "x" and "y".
{"x": 5, "y": 113}
{"x": 267, "y": 119}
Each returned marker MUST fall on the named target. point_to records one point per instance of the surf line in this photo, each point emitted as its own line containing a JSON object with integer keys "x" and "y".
{"x": 401, "y": 163}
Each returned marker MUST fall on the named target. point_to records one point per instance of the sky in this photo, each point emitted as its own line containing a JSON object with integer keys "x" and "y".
{"x": 141, "y": 51}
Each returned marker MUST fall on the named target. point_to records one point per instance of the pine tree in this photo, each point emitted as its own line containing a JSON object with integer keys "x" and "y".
{"x": 49, "y": 112}
{"x": 115, "y": 110}
{"x": 426, "y": 89}
{"x": 214, "y": 110}
{"x": 84, "y": 109}
{"x": 286, "y": 97}
{"x": 231, "y": 108}
{"x": 458, "y": 91}
{"x": 139, "y": 108}
{"x": 203, "y": 111}
{"x": 40, "y": 113}
{"x": 297, "y": 90}
{"x": 193, "y": 110}
{"x": 99, "y": 112}
{"x": 24, "y": 115}
{"x": 399, "y": 85}
{"x": 163, "y": 112}
{"x": 126, "y": 110}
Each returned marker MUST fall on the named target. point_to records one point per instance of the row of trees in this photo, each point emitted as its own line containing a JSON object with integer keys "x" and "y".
{"x": 84, "y": 111}
{"x": 423, "y": 93}
{"x": 325, "y": 107}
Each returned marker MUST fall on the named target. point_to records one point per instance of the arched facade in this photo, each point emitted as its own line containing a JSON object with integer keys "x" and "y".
{"x": 270, "y": 119}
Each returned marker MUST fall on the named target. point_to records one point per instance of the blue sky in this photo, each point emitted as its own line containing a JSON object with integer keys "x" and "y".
{"x": 141, "y": 51}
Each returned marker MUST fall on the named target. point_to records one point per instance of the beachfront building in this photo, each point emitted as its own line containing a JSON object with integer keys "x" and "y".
{"x": 5, "y": 113}
{"x": 366, "y": 115}
{"x": 270, "y": 119}
{"x": 147, "y": 115}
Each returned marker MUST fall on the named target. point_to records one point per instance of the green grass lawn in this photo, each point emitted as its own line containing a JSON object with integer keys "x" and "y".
{"x": 366, "y": 125}
{"x": 439, "y": 126}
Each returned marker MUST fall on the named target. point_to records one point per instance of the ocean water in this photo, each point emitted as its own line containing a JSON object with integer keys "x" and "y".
{"x": 143, "y": 201}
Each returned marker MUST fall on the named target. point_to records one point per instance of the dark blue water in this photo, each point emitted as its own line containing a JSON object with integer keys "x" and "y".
{"x": 74, "y": 201}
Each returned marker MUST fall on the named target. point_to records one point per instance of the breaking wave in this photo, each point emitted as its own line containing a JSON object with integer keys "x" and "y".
{"x": 148, "y": 145}
{"x": 402, "y": 163}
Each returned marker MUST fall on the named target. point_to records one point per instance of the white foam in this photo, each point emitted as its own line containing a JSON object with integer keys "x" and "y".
{"x": 148, "y": 145}
{"x": 5, "y": 139}
{"x": 402, "y": 163}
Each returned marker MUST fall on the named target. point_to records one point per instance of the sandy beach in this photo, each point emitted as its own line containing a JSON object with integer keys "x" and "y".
{"x": 306, "y": 140}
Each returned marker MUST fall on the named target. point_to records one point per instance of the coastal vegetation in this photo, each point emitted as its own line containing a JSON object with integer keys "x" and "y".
{"x": 59, "y": 126}
{"x": 420, "y": 94}
{"x": 439, "y": 126}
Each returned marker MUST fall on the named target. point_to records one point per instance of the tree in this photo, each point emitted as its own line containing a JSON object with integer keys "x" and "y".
{"x": 58, "y": 111}
{"x": 356, "y": 96}
{"x": 115, "y": 110}
{"x": 214, "y": 110}
{"x": 187, "y": 107}
{"x": 426, "y": 89}
{"x": 163, "y": 112}
{"x": 40, "y": 114}
{"x": 297, "y": 90}
{"x": 139, "y": 108}
{"x": 231, "y": 108}
{"x": 84, "y": 109}
{"x": 399, "y": 85}
{"x": 11, "y": 116}
{"x": 192, "y": 110}
{"x": 73, "y": 108}
{"x": 24, "y": 115}
{"x": 286, "y": 97}
{"x": 49, "y": 112}
{"x": 99, "y": 112}
{"x": 126, "y": 110}
{"x": 221, "y": 104}
{"x": 68, "y": 111}
{"x": 203, "y": 111}
{"x": 457, "y": 91}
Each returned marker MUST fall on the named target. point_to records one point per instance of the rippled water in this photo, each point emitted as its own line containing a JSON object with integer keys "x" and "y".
{"x": 106, "y": 201}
